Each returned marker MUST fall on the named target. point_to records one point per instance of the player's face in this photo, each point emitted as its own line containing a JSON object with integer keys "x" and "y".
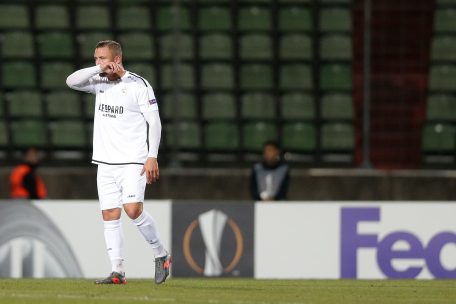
{"x": 105, "y": 55}
{"x": 271, "y": 154}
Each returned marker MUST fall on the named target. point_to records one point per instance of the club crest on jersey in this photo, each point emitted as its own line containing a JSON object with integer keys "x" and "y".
{"x": 152, "y": 101}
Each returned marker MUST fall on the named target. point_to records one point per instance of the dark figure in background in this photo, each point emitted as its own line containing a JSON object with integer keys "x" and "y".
{"x": 269, "y": 178}
{"x": 25, "y": 183}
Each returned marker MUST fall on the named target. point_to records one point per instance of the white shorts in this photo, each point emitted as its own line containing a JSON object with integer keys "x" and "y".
{"x": 120, "y": 184}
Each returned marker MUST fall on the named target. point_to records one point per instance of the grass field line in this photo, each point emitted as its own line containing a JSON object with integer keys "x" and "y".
{"x": 72, "y": 296}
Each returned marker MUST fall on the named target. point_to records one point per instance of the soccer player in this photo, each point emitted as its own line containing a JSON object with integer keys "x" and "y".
{"x": 126, "y": 136}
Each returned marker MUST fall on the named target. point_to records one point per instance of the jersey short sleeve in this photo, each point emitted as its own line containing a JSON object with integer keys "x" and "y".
{"x": 146, "y": 99}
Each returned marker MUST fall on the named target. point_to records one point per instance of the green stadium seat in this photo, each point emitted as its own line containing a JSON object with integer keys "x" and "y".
{"x": 17, "y": 44}
{"x": 137, "y": 45}
{"x": 221, "y": 136}
{"x": 295, "y": 19}
{"x": 93, "y": 17}
{"x": 336, "y": 77}
{"x": 53, "y": 74}
{"x": 255, "y": 18}
{"x": 14, "y": 16}
{"x": 183, "y": 107}
{"x": 2, "y": 105}
{"x": 180, "y": 45}
{"x": 219, "y": 106}
{"x": 215, "y": 46}
{"x": 185, "y": 75}
{"x": 217, "y": 76}
{"x": 299, "y": 137}
{"x": 26, "y": 133}
{"x": 440, "y": 2}
{"x": 133, "y": 18}
{"x": 87, "y": 42}
{"x": 51, "y": 17}
{"x": 295, "y": 46}
{"x": 89, "y": 104}
{"x": 18, "y": 74}
{"x": 336, "y": 47}
{"x": 215, "y": 18}
{"x": 438, "y": 138}
{"x": 337, "y": 106}
{"x": 3, "y": 135}
{"x": 55, "y": 45}
{"x": 258, "y": 105}
{"x": 144, "y": 70}
{"x": 24, "y": 103}
{"x": 337, "y": 136}
{"x": 335, "y": 19}
{"x": 184, "y": 135}
{"x": 66, "y": 134}
{"x": 444, "y": 48}
{"x": 63, "y": 104}
{"x": 255, "y": 46}
{"x": 297, "y": 106}
{"x": 445, "y": 20}
{"x": 255, "y": 134}
{"x": 441, "y": 107}
{"x": 256, "y": 76}
{"x": 166, "y": 18}
{"x": 295, "y": 76}
{"x": 442, "y": 77}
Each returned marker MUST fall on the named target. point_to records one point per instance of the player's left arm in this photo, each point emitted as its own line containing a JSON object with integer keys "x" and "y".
{"x": 151, "y": 165}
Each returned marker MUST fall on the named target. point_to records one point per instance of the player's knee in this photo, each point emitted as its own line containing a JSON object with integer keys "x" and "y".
{"x": 133, "y": 210}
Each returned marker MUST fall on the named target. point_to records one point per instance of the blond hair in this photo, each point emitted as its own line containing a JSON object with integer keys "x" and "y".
{"x": 113, "y": 46}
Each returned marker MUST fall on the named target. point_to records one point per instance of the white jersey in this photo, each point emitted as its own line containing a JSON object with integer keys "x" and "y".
{"x": 120, "y": 129}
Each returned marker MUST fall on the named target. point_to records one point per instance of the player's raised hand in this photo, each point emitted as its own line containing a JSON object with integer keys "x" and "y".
{"x": 151, "y": 170}
{"x": 110, "y": 67}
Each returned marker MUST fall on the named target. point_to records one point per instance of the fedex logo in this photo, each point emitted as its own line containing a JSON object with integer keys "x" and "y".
{"x": 386, "y": 253}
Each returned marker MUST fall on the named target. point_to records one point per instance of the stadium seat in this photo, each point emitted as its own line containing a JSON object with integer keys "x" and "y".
{"x": 3, "y": 134}
{"x": 183, "y": 107}
{"x": 219, "y": 106}
{"x": 180, "y": 45}
{"x": 255, "y": 134}
{"x": 89, "y": 104}
{"x": 255, "y": 18}
{"x": 24, "y": 103}
{"x": 443, "y": 48}
{"x": 297, "y": 106}
{"x": 166, "y": 18}
{"x": 295, "y": 46}
{"x": 215, "y": 46}
{"x": 337, "y": 106}
{"x": 445, "y": 20}
{"x": 2, "y": 105}
{"x": 336, "y": 77}
{"x": 87, "y": 42}
{"x": 62, "y": 104}
{"x": 68, "y": 134}
{"x": 258, "y": 105}
{"x": 133, "y": 18}
{"x": 92, "y": 17}
{"x": 221, "y": 136}
{"x": 51, "y": 17}
{"x": 17, "y": 44}
{"x": 438, "y": 138}
{"x": 26, "y": 133}
{"x": 256, "y": 76}
{"x": 255, "y": 46}
{"x": 217, "y": 76}
{"x": 144, "y": 70}
{"x": 18, "y": 74}
{"x": 184, "y": 135}
{"x": 442, "y": 77}
{"x": 299, "y": 137}
{"x": 336, "y": 47}
{"x": 14, "y": 16}
{"x": 185, "y": 75}
{"x": 335, "y": 19}
{"x": 215, "y": 18}
{"x": 337, "y": 136}
{"x": 295, "y": 19}
{"x": 55, "y": 45}
{"x": 137, "y": 45}
{"x": 53, "y": 74}
{"x": 441, "y": 107}
{"x": 295, "y": 76}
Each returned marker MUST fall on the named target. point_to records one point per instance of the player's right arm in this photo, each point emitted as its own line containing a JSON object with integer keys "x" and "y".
{"x": 80, "y": 80}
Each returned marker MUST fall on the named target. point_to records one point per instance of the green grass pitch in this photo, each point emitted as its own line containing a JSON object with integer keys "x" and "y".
{"x": 235, "y": 291}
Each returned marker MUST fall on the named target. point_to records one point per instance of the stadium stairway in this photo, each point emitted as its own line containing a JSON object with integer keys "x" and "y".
{"x": 400, "y": 44}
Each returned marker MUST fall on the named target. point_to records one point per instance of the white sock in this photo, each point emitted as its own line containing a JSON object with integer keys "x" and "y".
{"x": 114, "y": 244}
{"x": 148, "y": 228}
